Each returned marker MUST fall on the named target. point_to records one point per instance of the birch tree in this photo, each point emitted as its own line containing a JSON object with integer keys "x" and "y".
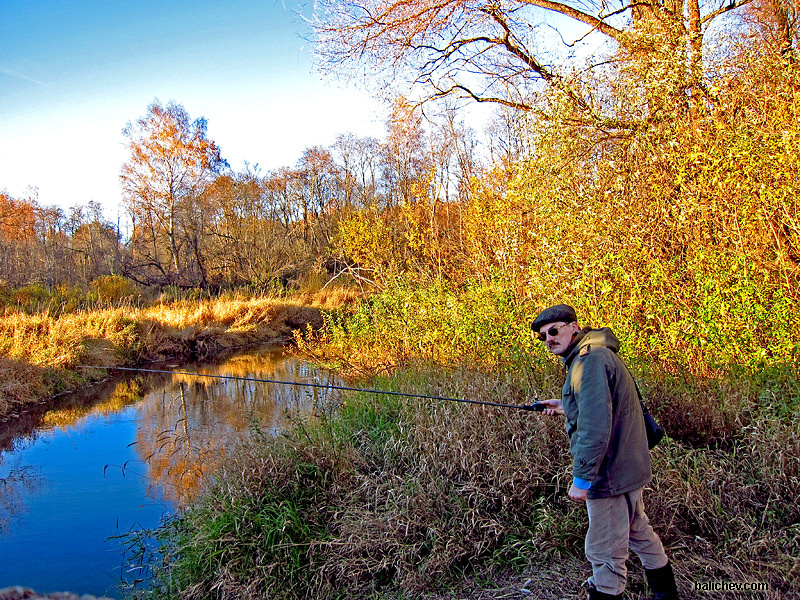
{"x": 171, "y": 163}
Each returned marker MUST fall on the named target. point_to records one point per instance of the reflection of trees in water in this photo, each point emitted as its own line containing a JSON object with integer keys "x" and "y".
{"x": 123, "y": 394}
{"x": 186, "y": 427}
{"x": 185, "y": 422}
{"x": 60, "y": 413}
{"x": 63, "y": 411}
{"x": 18, "y": 481}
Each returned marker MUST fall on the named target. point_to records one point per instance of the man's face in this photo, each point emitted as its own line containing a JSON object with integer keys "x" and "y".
{"x": 557, "y": 336}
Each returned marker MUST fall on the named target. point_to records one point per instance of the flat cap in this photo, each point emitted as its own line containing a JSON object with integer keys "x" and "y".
{"x": 559, "y": 312}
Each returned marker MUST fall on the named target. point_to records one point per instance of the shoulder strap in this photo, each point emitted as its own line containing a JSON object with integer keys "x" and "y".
{"x": 636, "y": 385}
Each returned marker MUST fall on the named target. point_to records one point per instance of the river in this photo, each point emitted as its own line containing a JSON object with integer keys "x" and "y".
{"x": 79, "y": 474}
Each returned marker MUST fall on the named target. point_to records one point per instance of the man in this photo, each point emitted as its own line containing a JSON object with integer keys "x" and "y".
{"x": 611, "y": 460}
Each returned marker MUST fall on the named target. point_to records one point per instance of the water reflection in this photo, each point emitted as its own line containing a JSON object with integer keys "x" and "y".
{"x": 190, "y": 420}
{"x": 13, "y": 487}
{"x": 96, "y": 464}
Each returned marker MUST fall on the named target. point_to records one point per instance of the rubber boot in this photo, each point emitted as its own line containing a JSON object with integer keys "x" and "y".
{"x": 662, "y": 583}
{"x": 596, "y": 595}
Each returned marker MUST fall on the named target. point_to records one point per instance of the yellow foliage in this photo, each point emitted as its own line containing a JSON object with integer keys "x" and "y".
{"x": 683, "y": 235}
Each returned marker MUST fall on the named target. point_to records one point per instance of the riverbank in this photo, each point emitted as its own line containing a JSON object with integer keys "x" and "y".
{"x": 40, "y": 355}
{"x": 21, "y": 593}
{"x": 391, "y": 498}
{"x": 401, "y": 498}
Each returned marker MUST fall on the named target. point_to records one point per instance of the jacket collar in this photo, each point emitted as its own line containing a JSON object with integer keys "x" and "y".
{"x": 571, "y": 352}
{"x": 587, "y": 336}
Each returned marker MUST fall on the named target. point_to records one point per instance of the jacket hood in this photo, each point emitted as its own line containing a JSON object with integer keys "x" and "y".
{"x": 591, "y": 337}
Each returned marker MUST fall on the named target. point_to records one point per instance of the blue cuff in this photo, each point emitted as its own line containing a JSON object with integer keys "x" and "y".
{"x": 581, "y": 484}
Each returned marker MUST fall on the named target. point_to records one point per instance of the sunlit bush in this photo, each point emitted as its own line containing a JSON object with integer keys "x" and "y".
{"x": 31, "y": 298}
{"x": 113, "y": 289}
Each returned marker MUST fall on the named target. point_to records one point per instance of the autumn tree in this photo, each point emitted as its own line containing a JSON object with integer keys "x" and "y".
{"x": 359, "y": 161}
{"x": 53, "y": 252}
{"x": 259, "y": 236}
{"x": 404, "y": 152}
{"x": 318, "y": 178}
{"x": 777, "y": 22}
{"x": 17, "y": 239}
{"x": 171, "y": 162}
{"x": 94, "y": 241}
{"x": 41, "y": 245}
{"x": 509, "y": 138}
{"x": 453, "y": 155}
{"x": 413, "y": 221}
{"x": 16, "y": 218}
{"x": 375, "y": 239}
{"x": 506, "y": 52}
{"x": 34, "y": 243}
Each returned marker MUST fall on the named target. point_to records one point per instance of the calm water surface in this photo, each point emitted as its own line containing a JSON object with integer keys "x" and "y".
{"x": 91, "y": 467}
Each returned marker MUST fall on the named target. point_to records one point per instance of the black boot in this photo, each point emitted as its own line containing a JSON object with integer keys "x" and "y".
{"x": 662, "y": 583}
{"x": 595, "y": 595}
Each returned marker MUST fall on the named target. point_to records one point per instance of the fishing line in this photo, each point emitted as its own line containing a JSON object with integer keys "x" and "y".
{"x": 536, "y": 406}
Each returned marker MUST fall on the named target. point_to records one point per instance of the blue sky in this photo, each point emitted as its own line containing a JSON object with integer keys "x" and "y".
{"x": 74, "y": 72}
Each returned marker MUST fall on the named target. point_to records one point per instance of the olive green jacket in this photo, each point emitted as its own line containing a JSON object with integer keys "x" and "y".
{"x": 604, "y": 418}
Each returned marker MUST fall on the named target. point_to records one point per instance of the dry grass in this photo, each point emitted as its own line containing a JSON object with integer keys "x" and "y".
{"x": 382, "y": 497}
{"x": 18, "y": 383}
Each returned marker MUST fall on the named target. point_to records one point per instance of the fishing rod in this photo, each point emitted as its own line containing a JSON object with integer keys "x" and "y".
{"x": 536, "y": 406}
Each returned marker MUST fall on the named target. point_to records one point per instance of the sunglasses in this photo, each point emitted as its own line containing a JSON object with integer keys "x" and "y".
{"x": 552, "y": 332}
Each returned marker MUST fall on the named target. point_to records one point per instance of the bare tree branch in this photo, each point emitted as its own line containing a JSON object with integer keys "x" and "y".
{"x": 492, "y": 51}
{"x": 723, "y": 9}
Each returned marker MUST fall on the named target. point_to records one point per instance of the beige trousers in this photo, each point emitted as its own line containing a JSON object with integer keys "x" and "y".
{"x": 615, "y": 525}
